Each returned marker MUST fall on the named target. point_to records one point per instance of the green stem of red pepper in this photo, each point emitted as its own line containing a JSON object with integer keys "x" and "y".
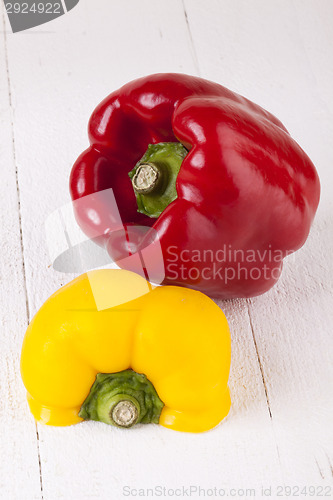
{"x": 154, "y": 177}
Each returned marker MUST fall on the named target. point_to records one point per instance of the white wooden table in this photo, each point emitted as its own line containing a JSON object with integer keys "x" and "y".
{"x": 279, "y": 432}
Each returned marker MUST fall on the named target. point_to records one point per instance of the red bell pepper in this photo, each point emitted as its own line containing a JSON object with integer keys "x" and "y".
{"x": 221, "y": 182}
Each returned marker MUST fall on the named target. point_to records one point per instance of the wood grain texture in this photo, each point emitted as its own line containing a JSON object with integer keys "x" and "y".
{"x": 19, "y": 469}
{"x": 278, "y": 431}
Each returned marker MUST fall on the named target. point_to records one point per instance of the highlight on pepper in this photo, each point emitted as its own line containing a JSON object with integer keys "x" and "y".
{"x": 160, "y": 355}
{"x": 205, "y": 169}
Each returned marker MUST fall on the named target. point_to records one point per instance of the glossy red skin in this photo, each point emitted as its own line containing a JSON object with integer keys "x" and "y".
{"x": 245, "y": 182}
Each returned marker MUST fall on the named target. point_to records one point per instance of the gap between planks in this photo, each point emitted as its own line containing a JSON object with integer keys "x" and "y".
{"x": 194, "y": 52}
{"x": 258, "y": 357}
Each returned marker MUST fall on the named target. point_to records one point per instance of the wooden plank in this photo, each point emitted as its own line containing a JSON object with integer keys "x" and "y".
{"x": 19, "y": 464}
{"x": 279, "y": 59}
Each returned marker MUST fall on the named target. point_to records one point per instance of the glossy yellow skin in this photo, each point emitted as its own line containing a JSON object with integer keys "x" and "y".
{"x": 177, "y": 337}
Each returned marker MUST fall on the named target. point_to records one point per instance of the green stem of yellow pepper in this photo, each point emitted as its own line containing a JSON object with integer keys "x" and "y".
{"x": 122, "y": 399}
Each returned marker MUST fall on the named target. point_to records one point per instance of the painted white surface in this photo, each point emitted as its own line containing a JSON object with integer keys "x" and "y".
{"x": 279, "y": 431}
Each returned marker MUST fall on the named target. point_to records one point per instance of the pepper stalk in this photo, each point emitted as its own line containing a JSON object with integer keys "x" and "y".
{"x": 122, "y": 399}
{"x": 154, "y": 177}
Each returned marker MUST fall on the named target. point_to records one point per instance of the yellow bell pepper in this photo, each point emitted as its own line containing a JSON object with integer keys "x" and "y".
{"x": 109, "y": 347}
